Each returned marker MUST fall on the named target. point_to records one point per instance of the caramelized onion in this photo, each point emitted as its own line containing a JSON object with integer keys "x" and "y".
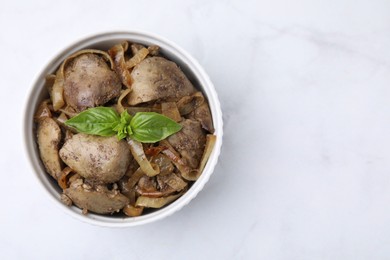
{"x": 117, "y": 54}
{"x": 137, "y": 58}
{"x": 148, "y": 202}
{"x": 154, "y": 150}
{"x": 42, "y": 111}
{"x": 135, "y": 47}
{"x": 194, "y": 174}
{"x": 187, "y": 104}
{"x": 175, "y": 158}
{"x": 132, "y": 211}
{"x": 68, "y": 111}
{"x": 173, "y": 181}
{"x": 138, "y": 153}
{"x": 155, "y": 193}
{"x": 119, "y": 106}
{"x": 210, "y": 143}
{"x": 132, "y": 181}
{"x": 57, "y": 90}
{"x": 166, "y": 166}
{"x": 64, "y": 178}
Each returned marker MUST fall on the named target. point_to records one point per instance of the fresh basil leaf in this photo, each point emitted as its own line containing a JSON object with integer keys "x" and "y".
{"x": 123, "y": 126}
{"x": 129, "y": 130}
{"x": 96, "y": 121}
{"x": 151, "y": 127}
{"x": 125, "y": 117}
{"x": 121, "y": 135}
{"x": 146, "y": 127}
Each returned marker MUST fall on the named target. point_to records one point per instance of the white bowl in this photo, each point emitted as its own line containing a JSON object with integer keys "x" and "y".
{"x": 104, "y": 41}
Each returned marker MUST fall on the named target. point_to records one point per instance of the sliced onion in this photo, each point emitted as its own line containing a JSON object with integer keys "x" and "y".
{"x": 185, "y": 171}
{"x": 132, "y": 181}
{"x": 137, "y": 58}
{"x": 210, "y": 143}
{"x": 173, "y": 181}
{"x": 49, "y": 81}
{"x": 174, "y": 156}
{"x": 68, "y": 111}
{"x": 63, "y": 180}
{"x": 43, "y": 111}
{"x": 57, "y": 91}
{"x": 131, "y": 195}
{"x": 117, "y": 54}
{"x": 194, "y": 174}
{"x": 187, "y": 104}
{"x": 136, "y": 47}
{"x": 148, "y": 202}
{"x": 138, "y": 153}
{"x": 119, "y": 106}
{"x": 154, "y": 150}
{"x": 166, "y": 166}
{"x": 155, "y": 193}
{"x": 132, "y": 211}
{"x": 49, "y": 84}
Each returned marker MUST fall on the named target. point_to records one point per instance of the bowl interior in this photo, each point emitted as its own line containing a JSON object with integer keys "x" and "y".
{"x": 104, "y": 41}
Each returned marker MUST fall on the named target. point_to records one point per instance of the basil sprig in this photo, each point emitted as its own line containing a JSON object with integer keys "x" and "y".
{"x": 145, "y": 127}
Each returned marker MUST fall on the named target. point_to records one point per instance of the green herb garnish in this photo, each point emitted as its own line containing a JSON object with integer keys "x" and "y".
{"x": 145, "y": 127}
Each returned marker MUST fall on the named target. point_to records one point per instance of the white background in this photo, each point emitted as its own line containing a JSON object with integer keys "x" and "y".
{"x": 305, "y": 167}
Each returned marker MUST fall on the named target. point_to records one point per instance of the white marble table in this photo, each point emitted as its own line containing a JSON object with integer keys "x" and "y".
{"x": 305, "y": 167}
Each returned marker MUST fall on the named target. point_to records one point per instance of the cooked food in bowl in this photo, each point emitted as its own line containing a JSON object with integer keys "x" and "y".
{"x": 124, "y": 130}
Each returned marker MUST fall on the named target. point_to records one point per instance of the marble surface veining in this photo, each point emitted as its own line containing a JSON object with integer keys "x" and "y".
{"x": 305, "y": 167}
